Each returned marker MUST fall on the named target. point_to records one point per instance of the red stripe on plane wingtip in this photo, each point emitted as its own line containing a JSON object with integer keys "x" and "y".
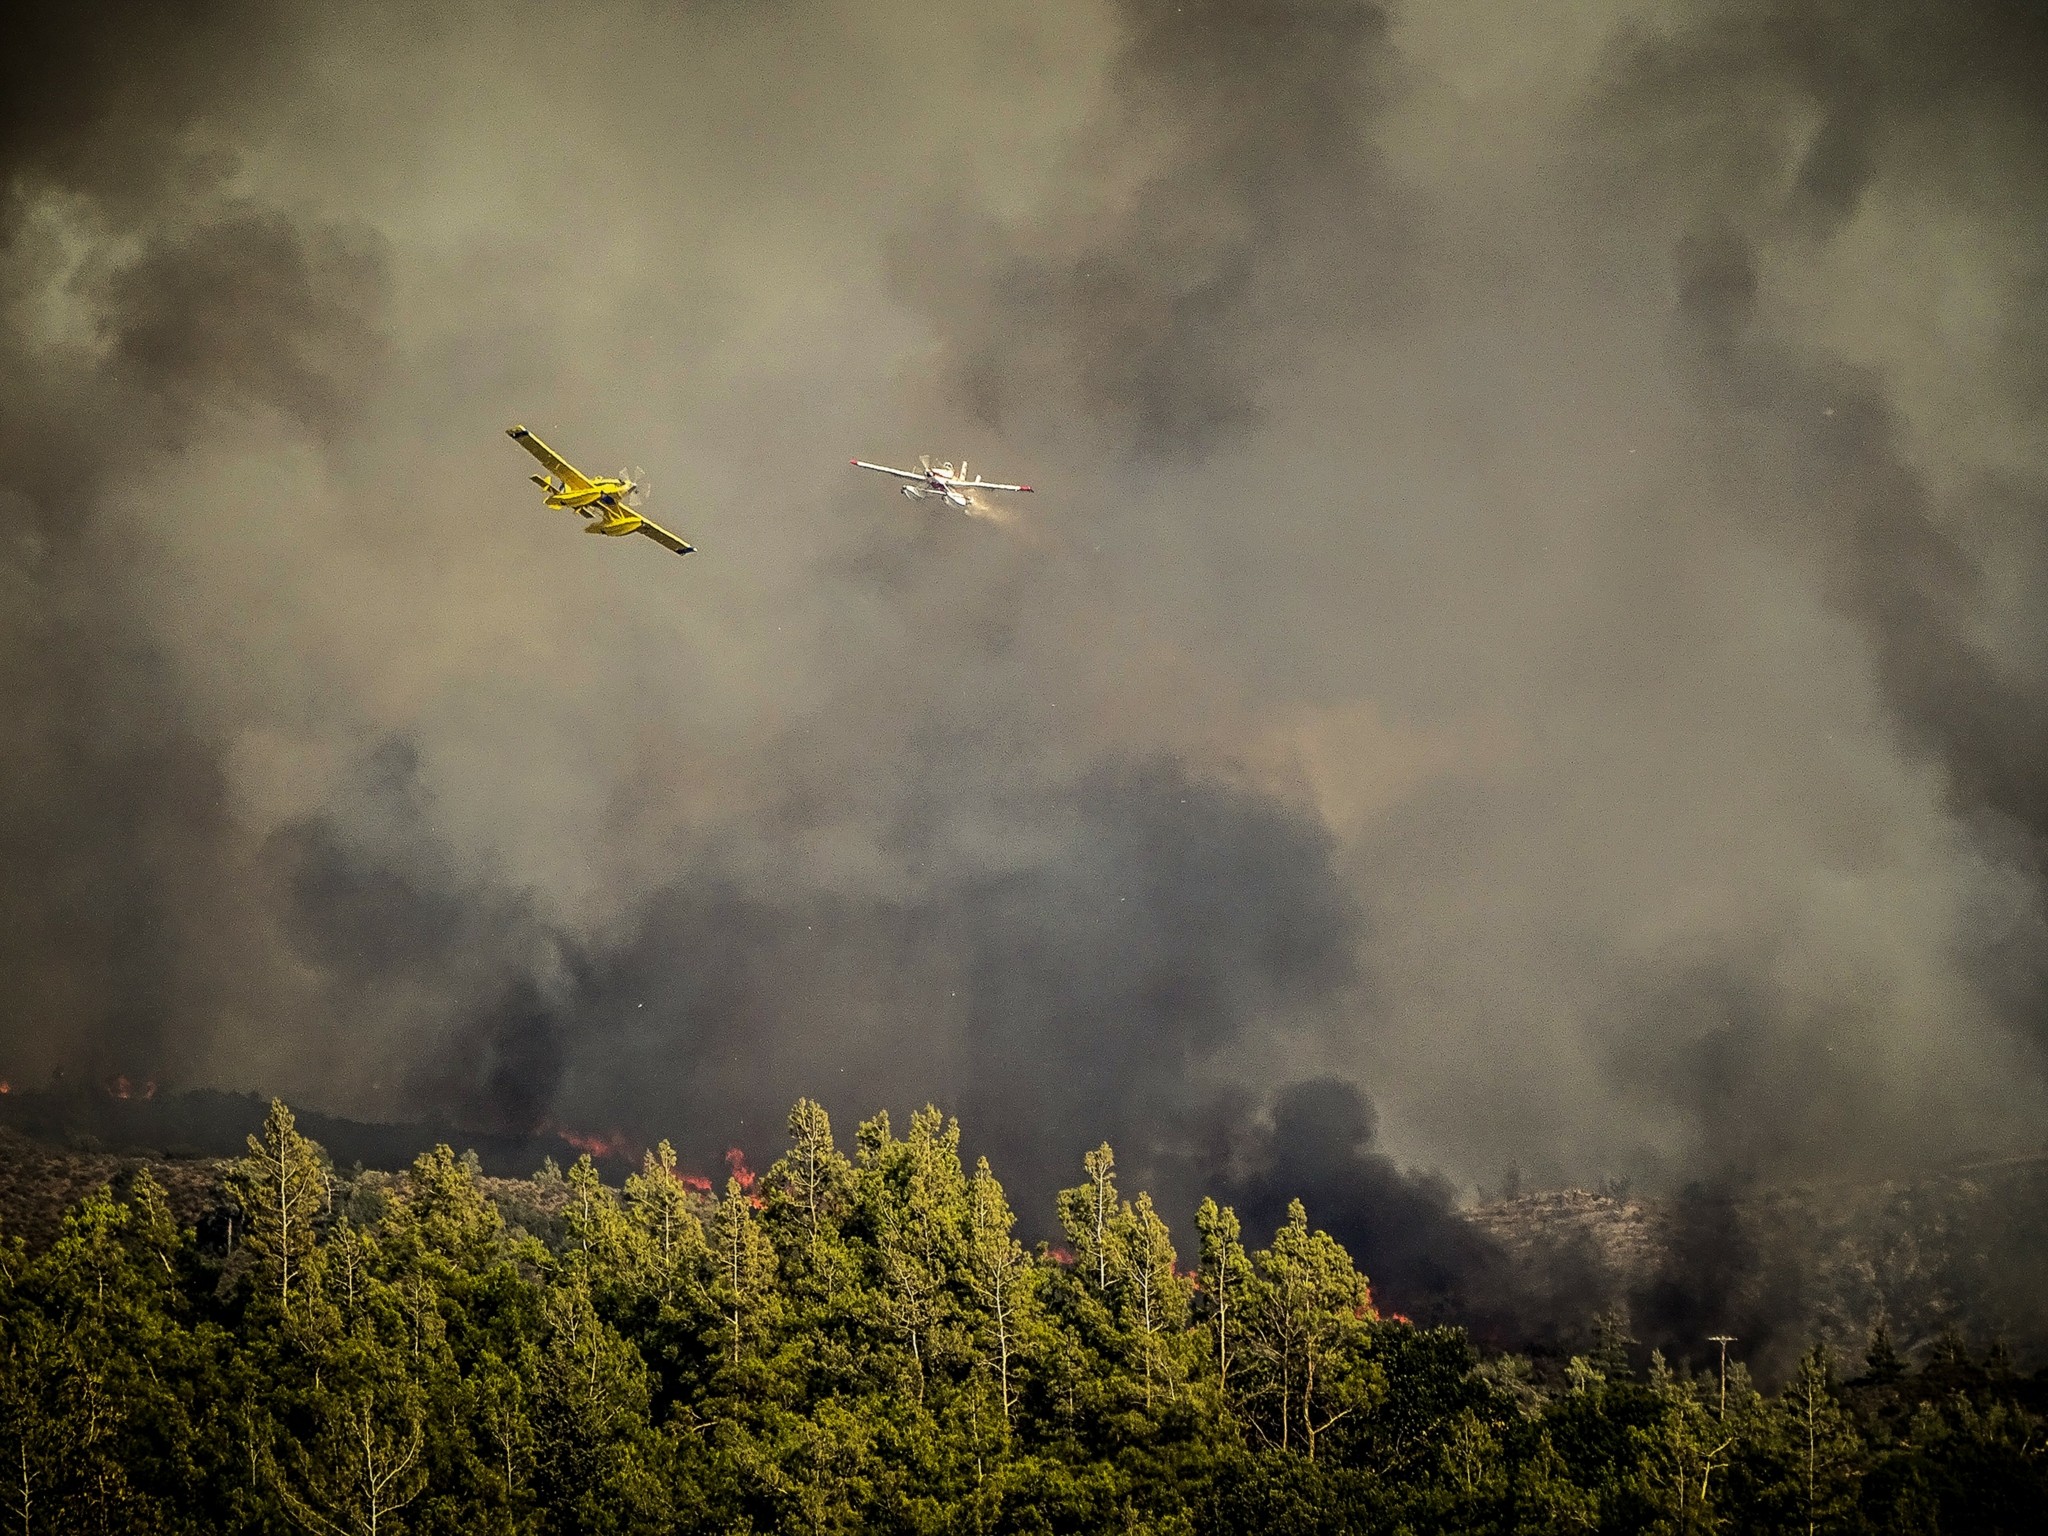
{"x": 1023, "y": 487}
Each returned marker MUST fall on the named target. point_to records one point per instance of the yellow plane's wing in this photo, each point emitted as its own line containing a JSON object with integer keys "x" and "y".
{"x": 663, "y": 537}
{"x": 550, "y": 460}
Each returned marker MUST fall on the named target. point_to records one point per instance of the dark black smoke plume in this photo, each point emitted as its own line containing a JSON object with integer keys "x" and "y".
{"x": 1315, "y": 1144}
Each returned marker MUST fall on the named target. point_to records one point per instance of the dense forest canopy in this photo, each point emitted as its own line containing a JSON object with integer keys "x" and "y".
{"x": 861, "y": 1343}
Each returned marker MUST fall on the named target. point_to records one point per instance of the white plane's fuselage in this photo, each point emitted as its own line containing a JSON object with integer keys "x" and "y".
{"x": 936, "y": 484}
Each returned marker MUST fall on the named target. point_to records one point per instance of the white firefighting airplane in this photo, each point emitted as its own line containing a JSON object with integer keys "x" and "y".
{"x": 601, "y": 499}
{"x": 930, "y": 479}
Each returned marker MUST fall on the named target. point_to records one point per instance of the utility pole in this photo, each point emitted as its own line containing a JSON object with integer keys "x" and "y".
{"x": 1724, "y": 1340}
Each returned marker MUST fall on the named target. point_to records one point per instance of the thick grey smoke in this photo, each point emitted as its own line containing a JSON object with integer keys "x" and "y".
{"x": 1526, "y": 648}
{"x": 1246, "y": 207}
{"x": 1925, "y": 530}
{"x": 145, "y": 304}
{"x": 1945, "y": 564}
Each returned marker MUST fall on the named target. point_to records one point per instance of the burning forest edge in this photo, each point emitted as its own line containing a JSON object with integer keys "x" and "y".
{"x": 863, "y": 1341}
{"x": 1525, "y": 1271}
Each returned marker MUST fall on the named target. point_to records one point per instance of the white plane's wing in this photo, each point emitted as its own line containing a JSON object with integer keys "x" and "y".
{"x": 907, "y": 474}
{"x": 550, "y": 460}
{"x": 986, "y": 485}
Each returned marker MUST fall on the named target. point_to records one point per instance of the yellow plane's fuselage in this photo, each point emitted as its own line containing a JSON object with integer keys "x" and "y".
{"x": 601, "y": 500}
{"x": 596, "y": 491}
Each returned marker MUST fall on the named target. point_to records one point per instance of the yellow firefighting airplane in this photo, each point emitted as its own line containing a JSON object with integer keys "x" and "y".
{"x": 604, "y": 500}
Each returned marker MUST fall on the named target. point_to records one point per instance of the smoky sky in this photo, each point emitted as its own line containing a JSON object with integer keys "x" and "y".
{"x": 1527, "y": 646}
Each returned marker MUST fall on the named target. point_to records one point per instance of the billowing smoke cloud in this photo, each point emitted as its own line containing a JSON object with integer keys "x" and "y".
{"x": 1527, "y": 646}
{"x": 1849, "y": 130}
{"x": 1118, "y": 965}
{"x": 1833, "y": 456}
{"x": 1245, "y": 209}
{"x": 1315, "y": 1144}
{"x": 144, "y": 306}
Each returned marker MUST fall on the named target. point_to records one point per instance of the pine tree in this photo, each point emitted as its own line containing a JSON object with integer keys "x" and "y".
{"x": 914, "y": 1194}
{"x": 743, "y": 1268}
{"x": 94, "y": 1369}
{"x": 590, "y": 1408}
{"x": 501, "y": 1400}
{"x": 1676, "y": 1453}
{"x": 1306, "y": 1335}
{"x": 351, "y": 1257}
{"x": 1155, "y": 1297}
{"x": 1795, "y": 1457}
{"x": 1545, "y": 1498}
{"x": 1001, "y": 1277}
{"x": 809, "y": 1193}
{"x": 362, "y": 1464}
{"x": 1823, "y": 1442}
{"x": 153, "y": 1233}
{"x": 1087, "y": 1213}
{"x": 610, "y": 1249}
{"x": 660, "y": 1207}
{"x": 1225, "y": 1273}
{"x": 1611, "y": 1342}
{"x": 281, "y": 1190}
{"x": 1881, "y": 1363}
{"x": 39, "y": 1433}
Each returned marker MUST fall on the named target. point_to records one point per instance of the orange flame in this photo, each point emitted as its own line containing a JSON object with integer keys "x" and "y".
{"x": 694, "y": 1181}
{"x": 6, "y": 1086}
{"x": 736, "y": 1160}
{"x": 613, "y": 1145}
